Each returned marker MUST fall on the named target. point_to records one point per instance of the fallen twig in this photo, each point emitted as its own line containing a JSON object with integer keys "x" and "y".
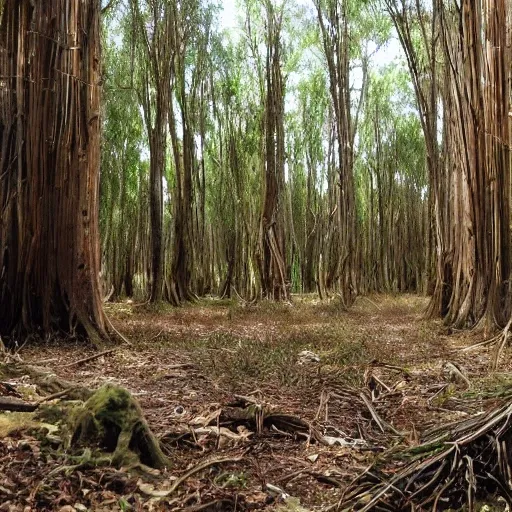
{"x": 211, "y": 505}
{"x": 153, "y": 338}
{"x": 200, "y": 467}
{"x": 43, "y": 361}
{"x": 383, "y": 425}
{"x": 371, "y": 302}
{"x": 123, "y": 338}
{"x": 54, "y": 396}
{"x": 90, "y": 358}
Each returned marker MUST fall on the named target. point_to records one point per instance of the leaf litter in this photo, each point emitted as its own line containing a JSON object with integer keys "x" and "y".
{"x": 270, "y": 407}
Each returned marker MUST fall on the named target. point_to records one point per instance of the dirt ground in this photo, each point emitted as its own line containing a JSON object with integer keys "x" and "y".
{"x": 366, "y": 379}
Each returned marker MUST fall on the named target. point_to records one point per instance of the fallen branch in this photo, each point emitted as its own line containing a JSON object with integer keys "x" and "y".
{"x": 123, "y": 338}
{"x": 221, "y": 504}
{"x": 90, "y": 358}
{"x": 43, "y": 361}
{"x": 383, "y": 425}
{"x": 8, "y": 403}
{"x": 46, "y": 381}
{"x": 200, "y": 467}
{"x": 197, "y": 469}
{"x": 54, "y": 396}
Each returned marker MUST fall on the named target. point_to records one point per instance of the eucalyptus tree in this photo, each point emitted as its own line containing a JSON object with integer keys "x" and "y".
{"x": 188, "y": 90}
{"x": 124, "y": 176}
{"x": 339, "y": 34}
{"x": 392, "y": 187}
{"x": 273, "y": 264}
{"x": 235, "y": 186}
{"x": 308, "y": 129}
{"x": 152, "y": 33}
{"x": 417, "y": 24}
{"x": 50, "y": 68}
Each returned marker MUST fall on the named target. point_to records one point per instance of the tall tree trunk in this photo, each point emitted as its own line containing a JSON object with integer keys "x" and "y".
{"x": 50, "y": 64}
{"x": 479, "y": 71}
{"x": 158, "y": 150}
{"x": 152, "y": 31}
{"x": 424, "y": 70}
{"x": 333, "y": 17}
{"x": 274, "y": 279}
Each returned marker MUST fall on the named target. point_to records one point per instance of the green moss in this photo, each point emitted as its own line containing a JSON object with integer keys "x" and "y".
{"x": 11, "y": 422}
{"x": 112, "y": 421}
{"x": 52, "y": 413}
{"x": 292, "y": 504}
{"x": 232, "y": 480}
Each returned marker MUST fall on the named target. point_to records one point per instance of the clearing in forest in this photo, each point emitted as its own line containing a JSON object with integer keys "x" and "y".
{"x": 292, "y": 401}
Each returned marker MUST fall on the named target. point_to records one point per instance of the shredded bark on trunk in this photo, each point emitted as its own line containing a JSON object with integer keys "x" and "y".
{"x": 50, "y": 64}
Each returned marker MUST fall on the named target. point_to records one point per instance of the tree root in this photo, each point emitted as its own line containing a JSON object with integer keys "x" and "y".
{"x": 48, "y": 382}
{"x": 110, "y": 421}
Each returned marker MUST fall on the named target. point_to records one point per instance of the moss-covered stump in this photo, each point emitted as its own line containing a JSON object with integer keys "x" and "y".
{"x": 112, "y": 421}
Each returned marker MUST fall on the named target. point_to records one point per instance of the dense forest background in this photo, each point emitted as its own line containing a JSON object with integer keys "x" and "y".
{"x": 288, "y": 154}
{"x": 263, "y": 169}
{"x": 291, "y": 159}
{"x": 292, "y": 154}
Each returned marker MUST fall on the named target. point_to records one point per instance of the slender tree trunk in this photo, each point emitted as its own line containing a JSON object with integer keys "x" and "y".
{"x": 158, "y": 150}
{"x": 152, "y": 30}
{"x": 333, "y": 17}
{"x": 273, "y": 268}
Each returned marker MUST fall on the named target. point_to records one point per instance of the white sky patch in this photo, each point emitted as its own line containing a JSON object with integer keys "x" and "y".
{"x": 231, "y": 21}
{"x": 228, "y": 16}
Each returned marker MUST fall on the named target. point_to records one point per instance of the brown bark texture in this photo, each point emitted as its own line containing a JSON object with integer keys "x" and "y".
{"x": 50, "y": 86}
{"x": 274, "y": 275}
{"x": 477, "y": 104}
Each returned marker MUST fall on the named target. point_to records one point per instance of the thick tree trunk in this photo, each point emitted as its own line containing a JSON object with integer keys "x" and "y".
{"x": 50, "y": 88}
{"x": 475, "y": 41}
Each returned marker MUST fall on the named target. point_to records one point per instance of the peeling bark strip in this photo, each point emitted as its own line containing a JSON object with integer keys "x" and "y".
{"x": 49, "y": 168}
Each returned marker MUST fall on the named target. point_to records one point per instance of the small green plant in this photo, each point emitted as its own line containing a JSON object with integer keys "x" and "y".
{"x": 124, "y": 505}
{"x": 231, "y": 480}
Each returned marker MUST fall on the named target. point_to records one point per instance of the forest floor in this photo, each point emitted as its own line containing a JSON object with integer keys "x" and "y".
{"x": 365, "y": 379}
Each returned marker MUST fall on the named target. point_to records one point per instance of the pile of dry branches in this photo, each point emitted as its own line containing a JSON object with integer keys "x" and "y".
{"x": 455, "y": 466}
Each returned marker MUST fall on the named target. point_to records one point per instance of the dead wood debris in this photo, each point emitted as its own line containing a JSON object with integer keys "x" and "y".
{"x": 8, "y": 403}
{"x": 455, "y": 466}
{"x": 90, "y": 358}
{"x": 263, "y": 446}
{"x": 243, "y": 417}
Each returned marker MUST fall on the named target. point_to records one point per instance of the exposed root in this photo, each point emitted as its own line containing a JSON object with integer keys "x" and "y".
{"x": 501, "y": 343}
{"x": 47, "y": 382}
